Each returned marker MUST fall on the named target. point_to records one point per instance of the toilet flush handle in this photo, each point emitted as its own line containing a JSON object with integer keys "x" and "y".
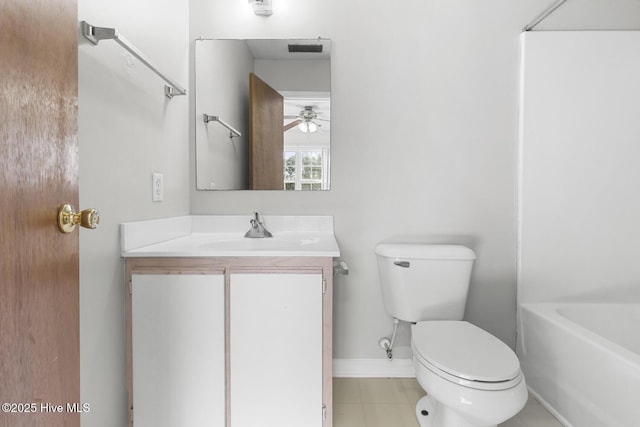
{"x": 403, "y": 264}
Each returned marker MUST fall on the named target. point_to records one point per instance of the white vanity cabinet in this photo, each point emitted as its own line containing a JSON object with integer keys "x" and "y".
{"x": 178, "y": 356}
{"x": 276, "y": 350}
{"x": 230, "y": 342}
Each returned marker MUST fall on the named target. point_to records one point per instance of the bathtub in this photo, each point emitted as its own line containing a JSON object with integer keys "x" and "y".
{"x": 582, "y": 361}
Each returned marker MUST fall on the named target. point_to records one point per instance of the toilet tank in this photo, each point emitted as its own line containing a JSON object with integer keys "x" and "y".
{"x": 424, "y": 281}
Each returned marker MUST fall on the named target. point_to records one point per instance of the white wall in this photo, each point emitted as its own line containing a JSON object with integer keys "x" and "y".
{"x": 424, "y": 137}
{"x": 424, "y": 127}
{"x": 127, "y": 129}
{"x": 580, "y": 151}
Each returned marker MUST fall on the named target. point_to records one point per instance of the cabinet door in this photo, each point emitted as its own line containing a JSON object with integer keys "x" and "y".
{"x": 178, "y": 336}
{"x": 276, "y": 350}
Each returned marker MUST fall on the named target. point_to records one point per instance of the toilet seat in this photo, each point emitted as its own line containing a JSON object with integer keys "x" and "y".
{"x": 465, "y": 354}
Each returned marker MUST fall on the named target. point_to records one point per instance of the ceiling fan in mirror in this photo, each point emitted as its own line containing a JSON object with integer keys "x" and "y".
{"x": 307, "y": 121}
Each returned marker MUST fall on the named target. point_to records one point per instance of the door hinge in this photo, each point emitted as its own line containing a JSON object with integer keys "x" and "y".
{"x": 130, "y": 288}
{"x": 324, "y": 412}
{"x": 131, "y": 415}
{"x": 324, "y": 286}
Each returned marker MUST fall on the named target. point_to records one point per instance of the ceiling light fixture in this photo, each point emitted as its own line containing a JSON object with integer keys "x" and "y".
{"x": 307, "y": 126}
{"x": 261, "y": 7}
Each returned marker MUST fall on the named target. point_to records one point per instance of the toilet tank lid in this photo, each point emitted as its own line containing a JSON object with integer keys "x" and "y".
{"x": 424, "y": 251}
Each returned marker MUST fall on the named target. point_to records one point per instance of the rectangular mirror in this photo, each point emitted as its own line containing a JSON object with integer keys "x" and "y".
{"x": 263, "y": 114}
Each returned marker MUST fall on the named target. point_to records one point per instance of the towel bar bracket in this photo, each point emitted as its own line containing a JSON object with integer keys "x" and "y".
{"x": 95, "y": 34}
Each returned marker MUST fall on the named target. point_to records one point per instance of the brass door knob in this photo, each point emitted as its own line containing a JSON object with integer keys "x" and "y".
{"x": 68, "y": 218}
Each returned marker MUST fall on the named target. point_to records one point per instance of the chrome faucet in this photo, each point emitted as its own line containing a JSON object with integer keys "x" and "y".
{"x": 257, "y": 230}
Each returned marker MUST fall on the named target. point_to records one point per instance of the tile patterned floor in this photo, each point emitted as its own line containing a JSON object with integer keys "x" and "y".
{"x": 390, "y": 402}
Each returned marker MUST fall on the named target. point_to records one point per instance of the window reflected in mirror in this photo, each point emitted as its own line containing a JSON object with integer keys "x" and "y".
{"x": 305, "y": 168}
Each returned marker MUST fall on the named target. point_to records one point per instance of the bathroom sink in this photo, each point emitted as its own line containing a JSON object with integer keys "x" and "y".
{"x": 287, "y": 242}
{"x": 222, "y": 244}
{"x": 218, "y": 236}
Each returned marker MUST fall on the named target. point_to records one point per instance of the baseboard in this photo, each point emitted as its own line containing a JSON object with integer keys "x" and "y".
{"x": 373, "y": 368}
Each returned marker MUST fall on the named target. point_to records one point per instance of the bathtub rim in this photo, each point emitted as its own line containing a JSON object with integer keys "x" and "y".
{"x": 549, "y": 311}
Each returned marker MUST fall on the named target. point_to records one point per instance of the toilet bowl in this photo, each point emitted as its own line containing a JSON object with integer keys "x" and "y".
{"x": 472, "y": 379}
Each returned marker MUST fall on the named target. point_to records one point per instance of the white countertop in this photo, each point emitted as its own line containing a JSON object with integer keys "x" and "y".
{"x": 223, "y": 235}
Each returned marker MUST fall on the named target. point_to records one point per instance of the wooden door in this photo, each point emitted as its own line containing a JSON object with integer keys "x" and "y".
{"x": 39, "y": 313}
{"x": 266, "y": 136}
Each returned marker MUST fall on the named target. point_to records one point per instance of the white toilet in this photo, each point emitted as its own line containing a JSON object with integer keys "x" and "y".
{"x": 471, "y": 377}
